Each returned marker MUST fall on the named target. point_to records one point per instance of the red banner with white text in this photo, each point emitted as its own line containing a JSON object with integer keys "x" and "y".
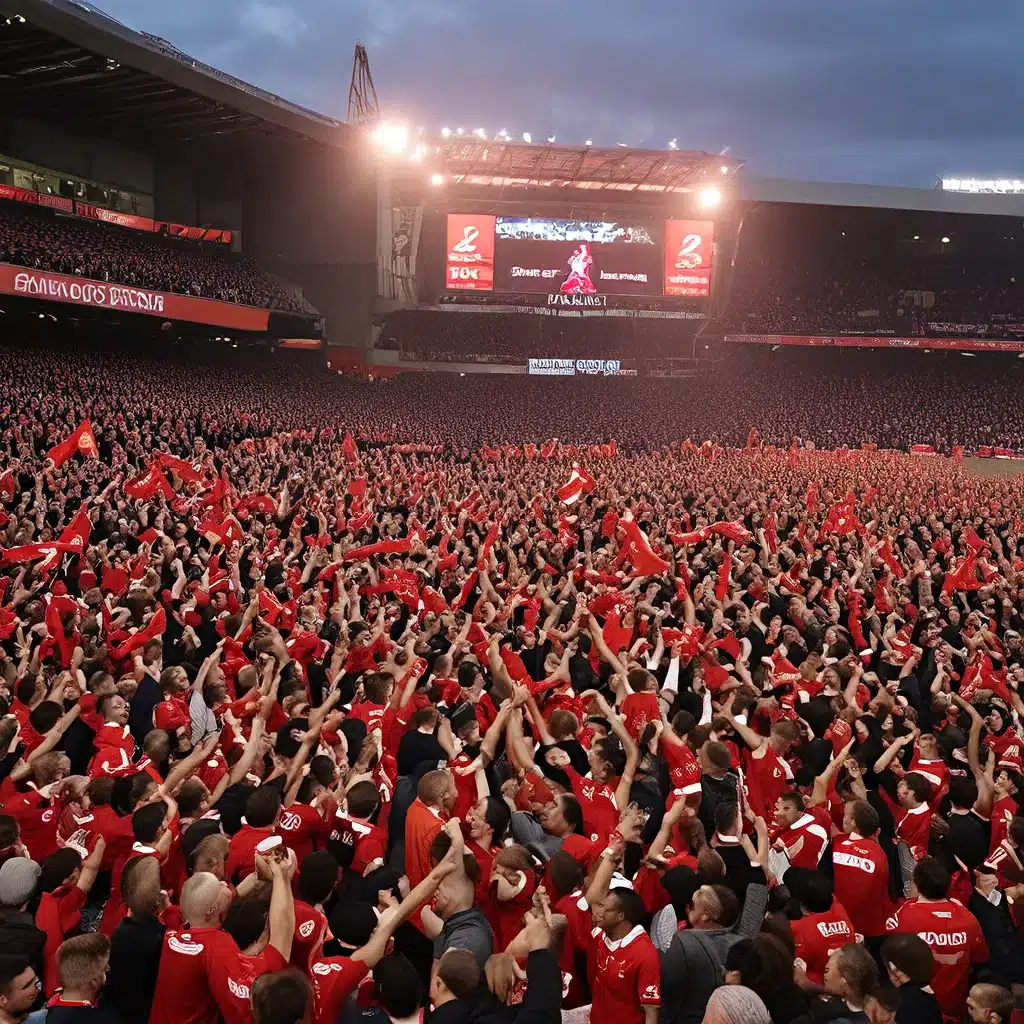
{"x": 689, "y": 251}
{"x": 863, "y": 341}
{"x": 40, "y": 284}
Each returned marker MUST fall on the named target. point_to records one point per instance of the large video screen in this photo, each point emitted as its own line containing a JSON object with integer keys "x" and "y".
{"x": 579, "y": 257}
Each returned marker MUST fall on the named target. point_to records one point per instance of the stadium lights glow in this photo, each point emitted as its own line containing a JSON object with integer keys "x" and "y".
{"x": 998, "y": 186}
{"x": 436, "y": 179}
{"x": 724, "y": 169}
{"x": 710, "y": 197}
{"x": 527, "y": 137}
{"x": 673, "y": 143}
{"x": 480, "y": 133}
{"x": 458, "y": 131}
{"x": 446, "y": 133}
{"x": 551, "y": 138}
{"x": 393, "y": 137}
{"x": 589, "y": 142}
{"x": 945, "y": 239}
{"x": 917, "y": 238}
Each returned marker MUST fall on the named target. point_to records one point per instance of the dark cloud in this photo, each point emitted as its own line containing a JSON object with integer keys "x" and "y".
{"x": 880, "y": 91}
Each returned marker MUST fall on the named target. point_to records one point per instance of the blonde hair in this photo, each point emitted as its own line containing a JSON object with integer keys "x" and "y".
{"x": 81, "y": 959}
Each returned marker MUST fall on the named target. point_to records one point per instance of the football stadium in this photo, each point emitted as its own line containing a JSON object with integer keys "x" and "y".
{"x": 457, "y": 576}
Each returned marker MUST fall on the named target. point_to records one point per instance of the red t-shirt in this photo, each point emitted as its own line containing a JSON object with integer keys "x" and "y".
{"x": 683, "y": 767}
{"x": 806, "y": 840}
{"x": 625, "y": 976}
{"x": 1003, "y": 811}
{"x": 241, "y": 861}
{"x": 195, "y": 983}
{"x": 237, "y": 1008}
{"x": 37, "y": 819}
{"x": 597, "y": 802}
{"x": 818, "y": 936}
{"x": 302, "y": 829}
{"x": 59, "y": 915}
{"x": 577, "y": 943}
{"x": 422, "y": 823}
{"x": 768, "y": 777}
{"x": 861, "y": 882}
{"x": 334, "y": 979}
{"x": 172, "y": 714}
{"x": 956, "y": 941}
{"x": 914, "y": 827}
{"x": 506, "y": 916}
{"x": 638, "y": 709}
{"x": 310, "y": 926}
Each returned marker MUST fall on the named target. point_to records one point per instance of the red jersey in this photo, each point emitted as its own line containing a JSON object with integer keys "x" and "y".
{"x": 103, "y": 820}
{"x": 937, "y": 775}
{"x": 238, "y": 1008}
{"x": 302, "y": 829}
{"x": 818, "y": 936}
{"x": 625, "y": 976}
{"x": 805, "y": 841}
{"x": 1003, "y": 811}
{"x": 369, "y": 842}
{"x": 638, "y": 709}
{"x": 1007, "y": 864}
{"x": 506, "y": 916}
{"x": 465, "y": 786}
{"x": 683, "y": 767}
{"x": 172, "y": 714}
{"x": 597, "y": 802}
{"x": 577, "y": 943}
{"x": 334, "y": 979}
{"x": 422, "y": 823}
{"x": 768, "y": 777}
{"x": 861, "y": 882}
{"x": 37, "y": 818}
{"x": 914, "y": 827}
{"x": 310, "y": 926}
{"x": 956, "y": 941}
{"x": 192, "y": 984}
{"x": 115, "y": 751}
{"x": 59, "y": 915}
{"x": 241, "y": 860}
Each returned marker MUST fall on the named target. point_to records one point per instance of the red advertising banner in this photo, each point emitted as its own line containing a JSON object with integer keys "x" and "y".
{"x": 100, "y": 213}
{"x": 689, "y": 252}
{"x": 469, "y": 264}
{"x": 863, "y": 341}
{"x": 40, "y": 284}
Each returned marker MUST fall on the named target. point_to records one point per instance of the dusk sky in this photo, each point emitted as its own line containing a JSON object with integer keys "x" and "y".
{"x": 881, "y": 91}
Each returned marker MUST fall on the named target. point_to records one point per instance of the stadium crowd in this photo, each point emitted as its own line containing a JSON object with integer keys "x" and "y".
{"x": 327, "y": 701}
{"x": 45, "y": 241}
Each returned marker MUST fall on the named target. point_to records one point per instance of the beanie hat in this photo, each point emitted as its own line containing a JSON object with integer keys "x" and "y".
{"x": 18, "y": 878}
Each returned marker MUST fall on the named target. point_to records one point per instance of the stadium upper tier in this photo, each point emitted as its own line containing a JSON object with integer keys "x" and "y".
{"x": 41, "y": 240}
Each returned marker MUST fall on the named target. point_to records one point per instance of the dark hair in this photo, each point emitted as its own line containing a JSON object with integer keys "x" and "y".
{"x": 910, "y": 954}
{"x": 718, "y": 754}
{"x": 190, "y": 797}
{"x": 363, "y": 799}
{"x": 565, "y": 874}
{"x": 931, "y": 879}
{"x": 147, "y": 822}
{"x": 963, "y": 792}
{"x": 858, "y": 969}
{"x": 918, "y": 785}
{"x": 318, "y": 876}
{"x": 10, "y": 968}
{"x": 865, "y": 818}
{"x": 812, "y": 888}
{"x": 572, "y": 812}
{"x": 246, "y": 919}
{"x": 58, "y": 868}
{"x": 459, "y": 971}
{"x": 284, "y": 997}
{"x": 9, "y": 831}
{"x": 376, "y": 686}
{"x": 262, "y": 805}
{"x": 44, "y": 716}
{"x": 610, "y": 749}
{"x": 725, "y": 815}
{"x": 398, "y": 986}
{"x": 497, "y": 815}
{"x": 794, "y": 799}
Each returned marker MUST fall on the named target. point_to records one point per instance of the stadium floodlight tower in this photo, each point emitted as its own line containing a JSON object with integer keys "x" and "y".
{"x": 363, "y": 105}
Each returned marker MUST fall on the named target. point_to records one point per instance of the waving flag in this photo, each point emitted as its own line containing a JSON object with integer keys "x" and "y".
{"x": 82, "y": 440}
{"x": 580, "y": 482}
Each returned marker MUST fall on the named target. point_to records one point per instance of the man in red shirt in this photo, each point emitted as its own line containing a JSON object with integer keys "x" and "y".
{"x": 172, "y": 714}
{"x": 824, "y": 925}
{"x": 262, "y": 813}
{"x": 802, "y": 838}
{"x": 202, "y": 975}
{"x": 860, "y": 871}
{"x": 36, "y": 811}
{"x": 435, "y": 796}
{"x": 914, "y": 814}
{"x": 768, "y": 773}
{"x": 360, "y": 845}
{"x": 951, "y": 931}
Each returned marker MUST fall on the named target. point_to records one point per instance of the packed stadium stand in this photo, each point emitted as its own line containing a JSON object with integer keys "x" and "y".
{"x": 645, "y": 648}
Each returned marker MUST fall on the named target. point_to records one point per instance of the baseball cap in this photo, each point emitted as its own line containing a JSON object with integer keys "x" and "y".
{"x": 18, "y": 879}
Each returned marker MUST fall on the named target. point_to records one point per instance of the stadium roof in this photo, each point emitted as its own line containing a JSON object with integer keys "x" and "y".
{"x": 473, "y": 161}
{"x": 66, "y": 62}
{"x": 879, "y": 197}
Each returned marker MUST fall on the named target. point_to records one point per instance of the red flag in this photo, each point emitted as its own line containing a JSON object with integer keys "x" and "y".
{"x": 885, "y": 553}
{"x": 965, "y": 577}
{"x": 147, "y": 485}
{"x": 6, "y": 485}
{"x": 383, "y": 547}
{"x": 733, "y": 531}
{"x": 56, "y": 608}
{"x": 722, "y": 587}
{"x": 357, "y": 487}
{"x": 184, "y": 470}
{"x": 638, "y": 549}
{"x": 609, "y": 523}
{"x": 433, "y": 601}
{"x": 579, "y": 483}
{"x": 974, "y": 542}
{"x": 771, "y": 534}
{"x": 812, "y": 499}
{"x": 348, "y": 446}
{"x": 466, "y": 588}
{"x": 30, "y": 552}
{"x": 82, "y": 440}
{"x": 728, "y": 643}
{"x": 153, "y": 629}
{"x": 548, "y": 449}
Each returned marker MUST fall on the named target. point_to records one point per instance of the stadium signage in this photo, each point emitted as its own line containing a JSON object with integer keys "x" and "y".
{"x": 570, "y": 367}
{"x": 81, "y": 291}
{"x": 865, "y": 341}
{"x": 577, "y": 300}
